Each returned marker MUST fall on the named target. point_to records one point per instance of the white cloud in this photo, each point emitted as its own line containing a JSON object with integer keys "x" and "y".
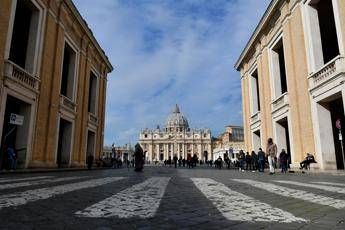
{"x": 187, "y": 47}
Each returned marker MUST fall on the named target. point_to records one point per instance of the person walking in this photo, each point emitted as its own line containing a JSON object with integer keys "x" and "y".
{"x": 175, "y": 161}
{"x": 89, "y": 161}
{"x": 248, "y": 161}
{"x": 138, "y": 158}
{"x": 241, "y": 158}
{"x": 272, "y": 154}
{"x": 261, "y": 160}
{"x": 254, "y": 161}
{"x": 180, "y": 162}
{"x": 283, "y": 158}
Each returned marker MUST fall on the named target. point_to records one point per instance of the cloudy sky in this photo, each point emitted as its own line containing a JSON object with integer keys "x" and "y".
{"x": 171, "y": 51}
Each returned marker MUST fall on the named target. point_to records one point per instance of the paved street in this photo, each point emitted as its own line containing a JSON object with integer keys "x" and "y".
{"x": 166, "y": 198}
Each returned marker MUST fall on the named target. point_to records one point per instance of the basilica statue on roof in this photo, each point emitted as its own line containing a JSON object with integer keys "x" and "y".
{"x": 176, "y": 138}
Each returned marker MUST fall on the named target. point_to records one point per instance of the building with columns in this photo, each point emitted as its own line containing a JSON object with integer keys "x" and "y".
{"x": 53, "y": 77}
{"x": 229, "y": 142}
{"x": 293, "y": 80}
{"x": 176, "y": 138}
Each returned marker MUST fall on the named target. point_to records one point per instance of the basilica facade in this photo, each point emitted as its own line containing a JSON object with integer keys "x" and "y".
{"x": 176, "y": 138}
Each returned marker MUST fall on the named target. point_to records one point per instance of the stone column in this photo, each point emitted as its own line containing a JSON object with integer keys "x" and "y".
{"x": 199, "y": 151}
{"x": 157, "y": 150}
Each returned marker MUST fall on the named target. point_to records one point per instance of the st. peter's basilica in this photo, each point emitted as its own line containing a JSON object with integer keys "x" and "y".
{"x": 176, "y": 138}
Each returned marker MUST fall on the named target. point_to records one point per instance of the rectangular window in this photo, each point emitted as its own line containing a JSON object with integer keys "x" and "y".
{"x": 255, "y": 92}
{"x": 24, "y": 35}
{"x": 92, "y": 93}
{"x": 323, "y": 31}
{"x": 279, "y": 69}
{"x": 68, "y": 72}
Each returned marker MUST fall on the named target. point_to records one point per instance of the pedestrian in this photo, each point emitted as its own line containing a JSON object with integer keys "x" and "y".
{"x": 283, "y": 158}
{"x": 261, "y": 160}
{"x": 254, "y": 161}
{"x": 272, "y": 154}
{"x": 180, "y": 162}
{"x": 175, "y": 161}
{"x": 11, "y": 157}
{"x": 169, "y": 161}
{"x": 138, "y": 158}
{"x": 189, "y": 161}
{"x": 184, "y": 162}
{"x": 89, "y": 161}
{"x": 248, "y": 161}
{"x": 227, "y": 160}
{"x": 241, "y": 158}
{"x": 219, "y": 162}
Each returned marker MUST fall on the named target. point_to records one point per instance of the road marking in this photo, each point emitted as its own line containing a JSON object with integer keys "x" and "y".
{"x": 21, "y": 198}
{"x": 294, "y": 193}
{"x": 329, "y": 183}
{"x": 322, "y": 187}
{"x": 24, "y": 179}
{"x": 141, "y": 200}
{"x": 39, "y": 182}
{"x": 236, "y": 206}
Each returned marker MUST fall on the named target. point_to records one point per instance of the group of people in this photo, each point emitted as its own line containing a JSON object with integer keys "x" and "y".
{"x": 258, "y": 161}
{"x": 190, "y": 162}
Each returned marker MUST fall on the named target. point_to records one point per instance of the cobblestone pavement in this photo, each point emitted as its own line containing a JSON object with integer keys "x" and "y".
{"x": 168, "y": 198}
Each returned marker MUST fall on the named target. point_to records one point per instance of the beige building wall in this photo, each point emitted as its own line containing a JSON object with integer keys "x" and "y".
{"x": 305, "y": 105}
{"x": 60, "y": 23}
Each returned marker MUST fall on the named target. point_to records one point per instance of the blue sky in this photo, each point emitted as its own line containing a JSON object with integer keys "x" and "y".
{"x": 171, "y": 51}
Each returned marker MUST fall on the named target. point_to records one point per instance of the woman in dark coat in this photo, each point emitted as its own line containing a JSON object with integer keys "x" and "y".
{"x": 138, "y": 158}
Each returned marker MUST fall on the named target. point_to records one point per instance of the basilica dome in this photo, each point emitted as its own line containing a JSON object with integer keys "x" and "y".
{"x": 176, "y": 120}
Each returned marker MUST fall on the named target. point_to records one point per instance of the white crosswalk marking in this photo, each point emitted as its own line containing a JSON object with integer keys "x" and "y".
{"x": 239, "y": 207}
{"x": 21, "y": 198}
{"x": 24, "y": 179}
{"x": 39, "y": 182}
{"x": 141, "y": 200}
{"x": 322, "y": 187}
{"x": 329, "y": 183}
{"x": 294, "y": 193}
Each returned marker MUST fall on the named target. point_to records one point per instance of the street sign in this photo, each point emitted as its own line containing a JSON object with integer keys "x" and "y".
{"x": 338, "y": 124}
{"x": 16, "y": 119}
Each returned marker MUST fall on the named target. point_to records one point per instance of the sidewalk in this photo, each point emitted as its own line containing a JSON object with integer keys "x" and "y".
{"x": 43, "y": 170}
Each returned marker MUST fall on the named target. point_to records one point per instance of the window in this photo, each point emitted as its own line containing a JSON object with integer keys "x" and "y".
{"x": 278, "y": 69}
{"x": 68, "y": 72}
{"x": 255, "y": 97}
{"x": 92, "y": 93}
{"x": 24, "y": 35}
{"x": 323, "y": 32}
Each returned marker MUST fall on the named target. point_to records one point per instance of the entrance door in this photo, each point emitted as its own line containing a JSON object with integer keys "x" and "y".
{"x": 15, "y": 136}
{"x": 283, "y": 137}
{"x": 64, "y": 144}
{"x": 337, "y": 112}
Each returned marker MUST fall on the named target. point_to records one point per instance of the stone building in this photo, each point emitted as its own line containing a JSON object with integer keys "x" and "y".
{"x": 231, "y": 142}
{"x": 293, "y": 73}
{"x": 176, "y": 138}
{"x": 53, "y": 77}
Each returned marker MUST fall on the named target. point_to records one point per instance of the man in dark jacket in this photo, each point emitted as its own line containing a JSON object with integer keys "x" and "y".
{"x": 138, "y": 158}
{"x": 261, "y": 160}
{"x": 248, "y": 161}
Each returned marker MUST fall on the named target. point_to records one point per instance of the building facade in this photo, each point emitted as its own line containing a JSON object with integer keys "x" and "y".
{"x": 53, "y": 77}
{"x": 121, "y": 152}
{"x": 176, "y": 139}
{"x": 229, "y": 142}
{"x": 292, "y": 74}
